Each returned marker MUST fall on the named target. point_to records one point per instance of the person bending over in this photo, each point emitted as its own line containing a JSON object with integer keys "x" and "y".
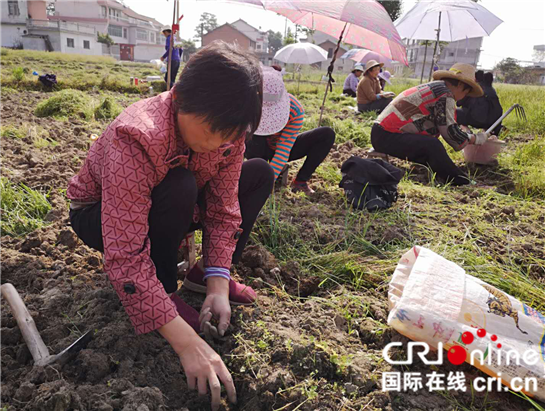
{"x": 277, "y": 138}
{"x": 164, "y": 165}
{"x": 410, "y": 126}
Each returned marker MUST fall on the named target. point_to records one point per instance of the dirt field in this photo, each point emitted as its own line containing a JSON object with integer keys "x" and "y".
{"x": 314, "y": 339}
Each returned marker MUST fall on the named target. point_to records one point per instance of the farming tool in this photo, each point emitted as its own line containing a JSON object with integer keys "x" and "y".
{"x": 32, "y": 337}
{"x": 519, "y": 111}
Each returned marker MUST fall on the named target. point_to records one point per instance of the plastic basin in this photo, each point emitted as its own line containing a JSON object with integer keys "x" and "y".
{"x": 484, "y": 154}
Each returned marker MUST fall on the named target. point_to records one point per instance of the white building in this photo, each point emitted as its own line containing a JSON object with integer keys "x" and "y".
{"x": 137, "y": 37}
{"x": 462, "y": 51}
{"x": 74, "y": 25}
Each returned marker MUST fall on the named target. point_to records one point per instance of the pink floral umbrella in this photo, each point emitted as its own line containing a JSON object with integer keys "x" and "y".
{"x": 364, "y": 23}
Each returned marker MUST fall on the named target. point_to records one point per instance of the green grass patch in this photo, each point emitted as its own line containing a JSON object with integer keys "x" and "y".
{"x": 12, "y": 132}
{"x": 23, "y": 209}
{"x": 108, "y": 109}
{"x": 66, "y": 103}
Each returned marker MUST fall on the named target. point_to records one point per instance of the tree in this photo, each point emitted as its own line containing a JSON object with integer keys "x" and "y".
{"x": 510, "y": 70}
{"x": 289, "y": 39}
{"x": 189, "y": 48}
{"x": 393, "y": 7}
{"x": 207, "y": 23}
{"x": 275, "y": 41}
{"x": 105, "y": 39}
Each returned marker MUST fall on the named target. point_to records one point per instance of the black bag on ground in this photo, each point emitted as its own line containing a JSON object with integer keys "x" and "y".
{"x": 370, "y": 184}
{"x": 48, "y": 80}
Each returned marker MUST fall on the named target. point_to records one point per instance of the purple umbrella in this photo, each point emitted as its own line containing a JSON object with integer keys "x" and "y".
{"x": 363, "y": 56}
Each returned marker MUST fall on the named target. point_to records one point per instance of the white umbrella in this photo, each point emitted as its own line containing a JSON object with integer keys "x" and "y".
{"x": 460, "y": 19}
{"x": 446, "y": 21}
{"x": 301, "y": 53}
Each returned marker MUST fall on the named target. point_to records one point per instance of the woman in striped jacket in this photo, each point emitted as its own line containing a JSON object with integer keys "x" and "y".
{"x": 277, "y": 138}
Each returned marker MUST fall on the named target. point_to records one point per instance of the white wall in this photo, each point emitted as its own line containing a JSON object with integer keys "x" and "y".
{"x": 147, "y": 52}
{"x": 11, "y": 33}
{"x": 34, "y": 43}
{"x": 95, "y": 50}
{"x": 21, "y": 18}
{"x": 89, "y": 9}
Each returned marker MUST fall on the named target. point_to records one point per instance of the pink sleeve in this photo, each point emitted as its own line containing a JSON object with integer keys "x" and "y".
{"x": 127, "y": 181}
{"x": 222, "y": 219}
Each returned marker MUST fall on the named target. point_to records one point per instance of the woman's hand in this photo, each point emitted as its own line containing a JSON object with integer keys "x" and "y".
{"x": 201, "y": 364}
{"x": 216, "y": 305}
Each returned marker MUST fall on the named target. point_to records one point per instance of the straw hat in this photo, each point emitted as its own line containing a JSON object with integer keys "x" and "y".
{"x": 386, "y": 75}
{"x": 276, "y": 103}
{"x": 165, "y": 28}
{"x": 464, "y": 73}
{"x": 358, "y": 66}
{"x": 370, "y": 64}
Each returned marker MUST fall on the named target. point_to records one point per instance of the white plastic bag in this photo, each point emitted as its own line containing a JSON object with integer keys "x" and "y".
{"x": 433, "y": 300}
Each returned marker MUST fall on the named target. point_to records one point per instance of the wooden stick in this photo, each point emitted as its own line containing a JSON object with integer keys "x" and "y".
{"x": 26, "y": 324}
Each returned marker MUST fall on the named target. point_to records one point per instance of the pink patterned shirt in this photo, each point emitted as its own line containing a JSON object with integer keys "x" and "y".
{"x": 123, "y": 166}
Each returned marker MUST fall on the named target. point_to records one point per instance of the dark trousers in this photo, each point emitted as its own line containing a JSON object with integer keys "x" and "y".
{"x": 349, "y": 92}
{"x": 421, "y": 149}
{"x": 174, "y": 67}
{"x": 314, "y": 145}
{"x": 377, "y": 105}
{"x": 171, "y": 215}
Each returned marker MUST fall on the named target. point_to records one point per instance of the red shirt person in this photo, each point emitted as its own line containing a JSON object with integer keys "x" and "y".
{"x": 165, "y": 166}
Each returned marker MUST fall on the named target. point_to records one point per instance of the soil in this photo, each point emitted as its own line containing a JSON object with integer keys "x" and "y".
{"x": 287, "y": 352}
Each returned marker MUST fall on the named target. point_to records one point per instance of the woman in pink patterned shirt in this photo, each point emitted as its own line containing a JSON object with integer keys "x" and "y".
{"x": 168, "y": 165}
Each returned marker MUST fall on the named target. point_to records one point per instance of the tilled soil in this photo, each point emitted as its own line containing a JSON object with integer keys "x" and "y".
{"x": 293, "y": 350}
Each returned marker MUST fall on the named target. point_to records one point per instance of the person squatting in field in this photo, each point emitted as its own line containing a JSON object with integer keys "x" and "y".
{"x": 277, "y": 138}
{"x": 410, "y": 125}
{"x": 166, "y": 166}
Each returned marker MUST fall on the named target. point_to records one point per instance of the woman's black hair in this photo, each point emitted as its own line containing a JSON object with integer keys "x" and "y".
{"x": 223, "y": 85}
{"x": 479, "y": 75}
{"x": 488, "y": 79}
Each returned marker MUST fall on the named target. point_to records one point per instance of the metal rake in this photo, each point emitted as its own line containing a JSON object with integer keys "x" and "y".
{"x": 519, "y": 111}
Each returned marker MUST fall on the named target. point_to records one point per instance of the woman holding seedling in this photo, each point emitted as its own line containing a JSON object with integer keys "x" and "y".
{"x": 165, "y": 166}
{"x": 370, "y": 95}
{"x": 277, "y": 138}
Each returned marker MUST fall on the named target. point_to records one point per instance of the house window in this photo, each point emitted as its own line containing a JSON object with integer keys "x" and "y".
{"x": 86, "y": 44}
{"x": 114, "y": 14}
{"x": 152, "y": 37}
{"x": 252, "y": 44}
{"x": 142, "y": 34}
{"x": 13, "y": 8}
{"x": 451, "y": 54}
{"x": 124, "y": 33}
{"x": 259, "y": 46}
{"x": 103, "y": 9}
{"x": 330, "y": 53}
{"x": 115, "y": 31}
{"x": 70, "y": 43}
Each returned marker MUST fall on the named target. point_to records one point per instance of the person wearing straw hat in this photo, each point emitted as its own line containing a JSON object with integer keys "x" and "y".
{"x": 383, "y": 78}
{"x": 176, "y": 55}
{"x": 277, "y": 138}
{"x": 410, "y": 126}
{"x": 351, "y": 82}
{"x": 370, "y": 96}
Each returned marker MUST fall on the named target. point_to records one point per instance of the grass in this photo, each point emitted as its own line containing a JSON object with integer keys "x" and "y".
{"x": 66, "y": 103}
{"x": 73, "y": 71}
{"x": 353, "y": 253}
{"x": 23, "y": 209}
{"x": 108, "y": 109}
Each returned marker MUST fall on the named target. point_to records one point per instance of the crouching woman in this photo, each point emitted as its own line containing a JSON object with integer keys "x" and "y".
{"x": 163, "y": 166}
